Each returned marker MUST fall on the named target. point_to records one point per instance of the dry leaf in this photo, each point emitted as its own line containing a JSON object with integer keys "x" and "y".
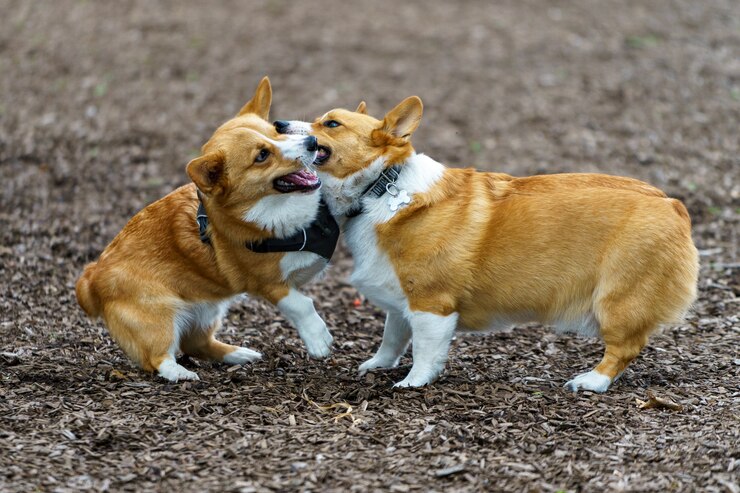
{"x": 116, "y": 375}
{"x": 659, "y": 402}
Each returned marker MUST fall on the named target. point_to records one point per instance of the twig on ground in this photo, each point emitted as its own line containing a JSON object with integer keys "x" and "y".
{"x": 328, "y": 407}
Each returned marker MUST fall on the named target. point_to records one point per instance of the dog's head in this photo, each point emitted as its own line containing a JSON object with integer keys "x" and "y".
{"x": 354, "y": 147}
{"x": 247, "y": 161}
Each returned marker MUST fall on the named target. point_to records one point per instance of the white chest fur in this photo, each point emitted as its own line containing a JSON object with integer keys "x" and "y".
{"x": 373, "y": 274}
{"x": 284, "y": 214}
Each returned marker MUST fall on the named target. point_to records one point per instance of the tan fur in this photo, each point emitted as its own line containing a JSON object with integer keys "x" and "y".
{"x": 158, "y": 263}
{"x": 553, "y": 248}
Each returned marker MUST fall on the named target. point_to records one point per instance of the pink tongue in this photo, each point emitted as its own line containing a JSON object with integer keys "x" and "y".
{"x": 301, "y": 177}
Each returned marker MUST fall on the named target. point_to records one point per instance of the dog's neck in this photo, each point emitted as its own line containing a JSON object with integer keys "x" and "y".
{"x": 285, "y": 214}
{"x": 274, "y": 216}
{"x": 417, "y": 174}
{"x": 343, "y": 195}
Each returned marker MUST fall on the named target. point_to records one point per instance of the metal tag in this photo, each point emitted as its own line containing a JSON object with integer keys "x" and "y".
{"x": 401, "y": 197}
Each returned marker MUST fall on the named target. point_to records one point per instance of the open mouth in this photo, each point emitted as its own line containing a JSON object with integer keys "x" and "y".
{"x": 322, "y": 155}
{"x": 300, "y": 181}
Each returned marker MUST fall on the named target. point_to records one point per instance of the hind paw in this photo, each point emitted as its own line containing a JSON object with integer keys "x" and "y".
{"x": 242, "y": 356}
{"x": 592, "y": 380}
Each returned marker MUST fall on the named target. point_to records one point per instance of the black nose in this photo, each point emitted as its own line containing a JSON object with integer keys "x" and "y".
{"x": 312, "y": 144}
{"x": 281, "y": 126}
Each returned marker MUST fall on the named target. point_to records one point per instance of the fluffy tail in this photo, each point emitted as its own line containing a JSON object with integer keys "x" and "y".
{"x": 86, "y": 295}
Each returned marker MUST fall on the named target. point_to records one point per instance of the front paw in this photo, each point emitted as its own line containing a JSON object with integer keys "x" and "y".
{"x": 375, "y": 362}
{"x": 411, "y": 383}
{"x": 417, "y": 379}
{"x": 174, "y": 372}
{"x": 318, "y": 345}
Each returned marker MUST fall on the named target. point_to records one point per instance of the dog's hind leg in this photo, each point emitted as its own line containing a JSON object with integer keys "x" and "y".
{"x": 149, "y": 335}
{"x": 617, "y": 355}
{"x": 649, "y": 280}
{"x": 625, "y": 324}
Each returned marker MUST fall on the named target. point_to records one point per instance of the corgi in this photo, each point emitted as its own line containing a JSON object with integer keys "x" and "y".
{"x": 443, "y": 248}
{"x": 166, "y": 281}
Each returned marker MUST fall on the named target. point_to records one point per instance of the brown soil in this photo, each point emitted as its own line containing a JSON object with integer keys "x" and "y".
{"x": 103, "y": 103}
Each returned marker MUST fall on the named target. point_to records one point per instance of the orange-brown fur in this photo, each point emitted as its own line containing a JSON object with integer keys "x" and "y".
{"x": 157, "y": 262}
{"x": 549, "y": 248}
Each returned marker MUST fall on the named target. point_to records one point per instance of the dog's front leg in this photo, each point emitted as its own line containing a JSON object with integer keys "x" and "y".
{"x": 431, "y": 335}
{"x": 396, "y": 337}
{"x": 299, "y": 310}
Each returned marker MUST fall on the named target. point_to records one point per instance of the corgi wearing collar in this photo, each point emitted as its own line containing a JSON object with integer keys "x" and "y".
{"x": 166, "y": 281}
{"x": 442, "y": 248}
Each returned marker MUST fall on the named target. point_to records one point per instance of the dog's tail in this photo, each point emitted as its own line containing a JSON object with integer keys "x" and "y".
{"x": 86, "y": 295}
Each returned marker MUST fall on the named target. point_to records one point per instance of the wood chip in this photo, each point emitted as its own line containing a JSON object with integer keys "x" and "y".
{"x": 448, "y": 471}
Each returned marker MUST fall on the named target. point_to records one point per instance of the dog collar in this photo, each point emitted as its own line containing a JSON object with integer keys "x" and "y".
{"x": 320, "y": 237}
{"x": 386, "y": 183}
{"x": 202, "y": 218}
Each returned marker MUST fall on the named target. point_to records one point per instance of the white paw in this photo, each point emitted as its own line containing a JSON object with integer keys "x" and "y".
{"x": 411, "y": 382}
{"x": 170, "y": 370}
{"x": 417, "y": 379}
{"x": 376, "y": 362}
{"x": 242, "y": 356}
{"x": 589, "y": 381}
{"x": 318, "y": 344}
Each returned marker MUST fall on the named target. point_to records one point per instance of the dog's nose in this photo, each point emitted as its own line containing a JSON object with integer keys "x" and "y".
{"x": 312, "y": 144}
{"x": 281, "y": 126}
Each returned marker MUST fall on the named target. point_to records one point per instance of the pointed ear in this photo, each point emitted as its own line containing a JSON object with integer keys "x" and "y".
{"x": 361, "y": 108}
{"x": 260, "y": 102}
{"x": 403, "y": 120}
{"x": 207, "y": 172}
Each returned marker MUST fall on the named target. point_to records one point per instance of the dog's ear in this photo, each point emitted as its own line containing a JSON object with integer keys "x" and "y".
{"x": 207, "y": 172}
{"x": 361, "y": 108}
{"x": 260, "y": 102}
{"x": 403, "y": 120}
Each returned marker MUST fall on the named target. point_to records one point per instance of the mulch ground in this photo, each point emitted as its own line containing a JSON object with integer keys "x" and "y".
{"x": 103, "y": 104}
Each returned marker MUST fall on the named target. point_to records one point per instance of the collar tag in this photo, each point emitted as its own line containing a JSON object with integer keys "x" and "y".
{"x": 400, "y": 198}
{"x": 202, "y": 219}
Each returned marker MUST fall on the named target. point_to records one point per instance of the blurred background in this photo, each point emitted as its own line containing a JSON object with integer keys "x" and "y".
{"x": 102, "y": 104}
{"x": 106, "y": 100}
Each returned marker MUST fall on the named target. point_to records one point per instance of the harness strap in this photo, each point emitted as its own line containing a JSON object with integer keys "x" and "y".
{"x": 320, "y": 237}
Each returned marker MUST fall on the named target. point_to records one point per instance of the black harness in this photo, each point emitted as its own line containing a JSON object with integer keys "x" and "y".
{"x": 377, "y": 188}
{"x": 320, "y": 237}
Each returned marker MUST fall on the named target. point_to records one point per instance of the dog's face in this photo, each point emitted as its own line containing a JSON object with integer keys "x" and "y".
{"x": 350, "y": 141}
{"x": 246, "y": 159}
{"x": 355, "y": 147}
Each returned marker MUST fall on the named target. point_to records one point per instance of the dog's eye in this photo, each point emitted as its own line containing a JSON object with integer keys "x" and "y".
{"x": 331, "y": 123}
{"x": 264, "y": 154}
